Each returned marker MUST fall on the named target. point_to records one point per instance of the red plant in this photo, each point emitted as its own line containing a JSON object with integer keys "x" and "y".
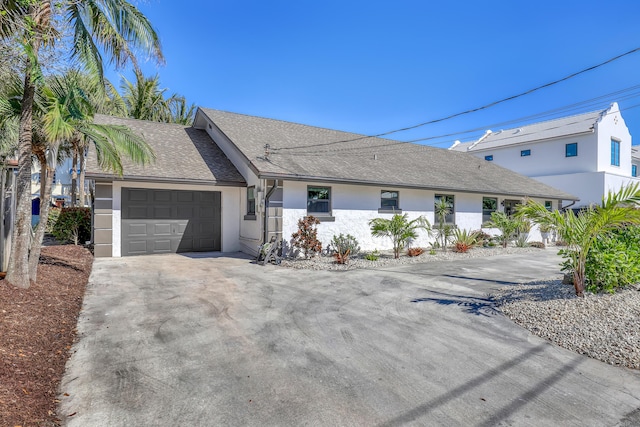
{"x": 306, "y": 238}
{"x": 463, "y": 247}
{"x": 414, "y": 251}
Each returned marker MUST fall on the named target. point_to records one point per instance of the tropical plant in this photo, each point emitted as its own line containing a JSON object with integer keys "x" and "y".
{"x": 465, "y": 240}
{"x": 444, "y": 231}
{"x": 581, "y": 231}
{"x": 344, "y": 247}
{"x": 399, "y": 229}
{"x": 415, "y": 251}
{"x": 372, "y": 256}
{"x": 114, "y": 27}
{"x": 506, "y": 225}
{"x": 306, "y": 238}
{"x": 614, "y": 260}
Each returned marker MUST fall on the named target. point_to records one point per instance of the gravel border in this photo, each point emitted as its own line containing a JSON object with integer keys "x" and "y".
{"x": 602, "y": 326}
{"x": 325, "y": 262}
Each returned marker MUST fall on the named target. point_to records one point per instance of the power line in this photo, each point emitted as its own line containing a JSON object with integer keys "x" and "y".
{"x": 473, "y": 110}
{"x": 392, "y": 145}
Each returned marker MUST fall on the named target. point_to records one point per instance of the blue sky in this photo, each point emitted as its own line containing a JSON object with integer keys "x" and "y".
{"x": 371, "y": 67}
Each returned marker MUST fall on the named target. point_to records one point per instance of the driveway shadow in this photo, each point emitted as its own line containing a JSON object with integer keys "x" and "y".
{"x": 472, "y": 305}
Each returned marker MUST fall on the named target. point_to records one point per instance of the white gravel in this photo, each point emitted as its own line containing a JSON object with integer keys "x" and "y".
{"x": 602, "y": 326}
{"x": 325, "y": 262}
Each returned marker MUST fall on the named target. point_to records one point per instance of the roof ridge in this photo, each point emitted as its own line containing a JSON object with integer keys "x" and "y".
{"x": 356, "y": 135}
{"x": 142, "y": 120}
{"x": 598, "y": 112}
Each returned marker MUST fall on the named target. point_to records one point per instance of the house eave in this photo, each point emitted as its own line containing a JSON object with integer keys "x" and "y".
{"x": 304, "y": 178}
{"x": 111, "y": 177}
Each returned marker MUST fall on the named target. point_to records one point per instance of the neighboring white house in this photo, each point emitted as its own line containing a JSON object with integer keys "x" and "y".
{"x": 587, "y": 155}
{"x": 61, "y": 190}
{"x": 233, "y": 181}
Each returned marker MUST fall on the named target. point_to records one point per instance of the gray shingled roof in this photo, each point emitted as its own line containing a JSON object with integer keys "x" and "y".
{"x": 557, "y": 128}
{"x": 309, "y": 153}
{"x": 184, "y": 154}
{"x": 635, "y": 152}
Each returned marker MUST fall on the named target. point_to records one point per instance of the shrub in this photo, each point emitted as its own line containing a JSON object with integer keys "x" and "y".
{"x": 73, "y": 225}
{"x": 464, "y": 240}
{"x": 344, "y": 247}
{"x": 614, "y": 261}
{"x": 415, "y": 251}
{"x": 306, "y": 238}
{"x": 54, "y": 214}
{"x": 373, "y": 256}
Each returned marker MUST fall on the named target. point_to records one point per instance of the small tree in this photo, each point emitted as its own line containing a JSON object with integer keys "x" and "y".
{"x": 444, "y": 231}
{"x": 306, "y": 238}
{"x": 581, "y": 231}
{"x": 399, "y": 229}
{"x": 507, "y": 226}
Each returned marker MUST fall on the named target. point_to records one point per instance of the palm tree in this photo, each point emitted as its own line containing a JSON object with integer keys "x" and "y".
{"x": 144, "y": 99}
{"x": 114, "y": 26}
{"x": 580, "y": 231}
{"x": 399, "y": 229}
{"x": 444, "y": 231}
{"x": 507, "y": 226}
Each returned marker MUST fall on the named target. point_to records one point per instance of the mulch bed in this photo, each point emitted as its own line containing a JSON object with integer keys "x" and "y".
{"x": 37, "y": 329}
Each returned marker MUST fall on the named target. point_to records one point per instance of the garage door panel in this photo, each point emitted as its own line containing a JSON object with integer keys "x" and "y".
{"x": 161, "y": 196}
{"x": 185, "y": 211}
{"x": 161, "y": 221}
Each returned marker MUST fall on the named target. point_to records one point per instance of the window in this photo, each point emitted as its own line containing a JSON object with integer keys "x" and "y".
{"x": 615, "y": 153}
{"x": 525, "y": 153}
{"x": 319, "y": 201}
{"x": 450, "y": 203}
{"x": 548, "y": 204}
{"x": 251, "y": 202}
{"x": 489, "y": 158}
{"x": 390, "y": 201}
{"x": 489, "y": 205}
{"x": 634, "y": 170}
{"x": 571, "y": 150}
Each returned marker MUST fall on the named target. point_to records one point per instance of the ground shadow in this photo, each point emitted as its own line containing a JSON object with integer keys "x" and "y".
{"x": 47, "y": 260}
{"x": 518, "y": 401}
{"x": 537, "y": 291}
{"x": 203, "y": 255}
{"x": 472, "y": 305}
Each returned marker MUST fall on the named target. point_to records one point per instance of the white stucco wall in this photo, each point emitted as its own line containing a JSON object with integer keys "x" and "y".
{"x": 612, "y": 126}
{"x": 354, "y": 206}
{"x": 547, "y": 157}
{"x": 230, "y": 206}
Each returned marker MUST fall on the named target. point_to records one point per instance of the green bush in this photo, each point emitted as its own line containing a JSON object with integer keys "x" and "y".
{"x": 54, "y": 214}
{"x": 372, "y": 256}
{"x": 614, "y": 260}
{"x": 73, "y": 225}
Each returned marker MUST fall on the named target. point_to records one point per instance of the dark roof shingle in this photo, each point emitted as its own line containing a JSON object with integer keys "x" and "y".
{"x": 183, "y": 154}
{"x": 305, "y": 152}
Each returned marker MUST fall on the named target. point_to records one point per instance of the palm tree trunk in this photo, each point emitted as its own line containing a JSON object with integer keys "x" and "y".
{"x": 18, "y": 268}
{"x": 36, "y": 243}
{"x": 74, "y": 176}
{"x": 81, "y": 183}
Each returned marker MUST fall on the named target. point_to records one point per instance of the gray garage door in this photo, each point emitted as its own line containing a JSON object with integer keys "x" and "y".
{"x": 164, "y": 221}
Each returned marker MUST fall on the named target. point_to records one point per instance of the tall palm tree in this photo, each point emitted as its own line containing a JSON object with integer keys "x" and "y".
{"x": 114, "y": 26}
{"x": 144, "y": 100}
{"x": 580, "y": 231}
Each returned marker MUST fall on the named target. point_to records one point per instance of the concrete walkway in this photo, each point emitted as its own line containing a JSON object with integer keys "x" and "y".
{"x": 207, "y": 340}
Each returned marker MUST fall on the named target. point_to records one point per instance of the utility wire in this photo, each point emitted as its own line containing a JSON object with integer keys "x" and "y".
{"x": 473, "y": 110}
{"x": 392, "y": 145}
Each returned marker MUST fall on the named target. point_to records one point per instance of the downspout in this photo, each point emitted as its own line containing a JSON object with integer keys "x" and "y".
{"x": 564, "y": 208}
{"x": 266, "y": 210}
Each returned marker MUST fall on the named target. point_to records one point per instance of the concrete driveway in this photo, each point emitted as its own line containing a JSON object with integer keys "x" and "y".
{"x": 206, "y": 340}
